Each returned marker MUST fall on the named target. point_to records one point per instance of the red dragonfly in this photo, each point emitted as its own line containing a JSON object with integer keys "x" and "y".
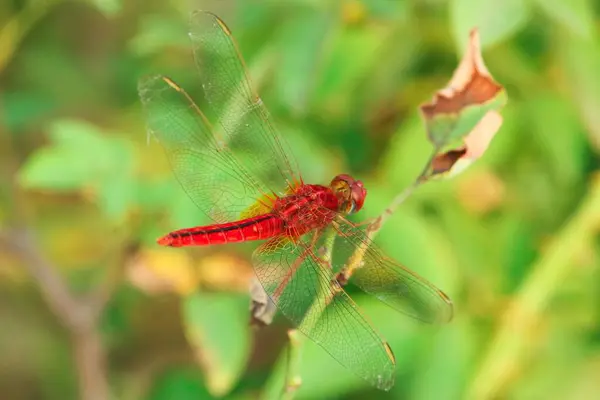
{"x": 240, "y": 172}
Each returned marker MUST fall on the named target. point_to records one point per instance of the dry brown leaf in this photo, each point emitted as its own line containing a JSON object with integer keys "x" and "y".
{"x": 466, "y": 110}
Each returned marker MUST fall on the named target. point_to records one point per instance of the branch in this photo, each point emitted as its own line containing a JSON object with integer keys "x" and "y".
{"x": 293, "y": 380}
{"x": 74, "y": 314}
{"x": 114, "y": 276}
{"x": 54, "y": 290}
{"x": 548, "y": 274}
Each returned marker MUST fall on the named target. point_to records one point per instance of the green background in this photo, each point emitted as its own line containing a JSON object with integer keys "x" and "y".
{"x": 512, "y": 240}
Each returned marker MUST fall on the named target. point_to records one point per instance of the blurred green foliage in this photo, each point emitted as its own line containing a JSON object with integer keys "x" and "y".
{"x": 512, "y": 237}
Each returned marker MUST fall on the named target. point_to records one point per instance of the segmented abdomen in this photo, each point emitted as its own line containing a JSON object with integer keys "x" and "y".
{"x": 256, "y": 228}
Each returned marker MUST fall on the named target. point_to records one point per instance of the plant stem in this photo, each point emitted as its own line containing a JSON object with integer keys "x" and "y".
{"x": 548, "y": 273}
{"x": 292, "y": 377}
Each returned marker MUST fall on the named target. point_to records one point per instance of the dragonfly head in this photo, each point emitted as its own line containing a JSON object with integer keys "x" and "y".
{"x": 350, "y": 192}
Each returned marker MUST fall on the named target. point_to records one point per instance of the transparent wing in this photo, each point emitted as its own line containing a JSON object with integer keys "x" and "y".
{"x": 304, "y": 289}
{"x": 220, "y": 185}
{"x": 388, "y": 280}
{"x": 242, "y": 117}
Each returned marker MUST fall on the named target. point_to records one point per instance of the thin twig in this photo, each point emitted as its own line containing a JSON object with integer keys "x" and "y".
{"x": 423, "y": 177}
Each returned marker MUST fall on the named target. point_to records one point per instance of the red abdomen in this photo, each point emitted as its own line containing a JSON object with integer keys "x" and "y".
{"x": 256, "y": 228}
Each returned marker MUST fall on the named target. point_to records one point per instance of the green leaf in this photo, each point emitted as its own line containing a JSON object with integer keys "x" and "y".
{"x": 352, "y": 54}
{"x": 157, "y": 32}
{"x": 180, "y": 384}
{"x": 22, "y": 108}
{"x": 216, "y": 325}
{"x": 559, "y": 135}
{"x": 447, "y": 363}
{"x": 496, "y": 20}
{"x": 575, "y": 15}
{"x": 300, "y": 47}
{"x": 580, "y": 62}
{"x": 405, "y": 155}
{"x": 82, "y": 157}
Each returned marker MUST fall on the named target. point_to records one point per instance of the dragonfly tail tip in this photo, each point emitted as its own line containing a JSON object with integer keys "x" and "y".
{"x": 165, "y": 241}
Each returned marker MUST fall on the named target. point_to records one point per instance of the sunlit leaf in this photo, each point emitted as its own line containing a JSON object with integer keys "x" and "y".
{"x": 216, "y": 325}
{"x": 163, "y": 270}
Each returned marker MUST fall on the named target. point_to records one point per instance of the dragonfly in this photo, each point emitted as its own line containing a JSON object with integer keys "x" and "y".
{"x": 241, "y": 173}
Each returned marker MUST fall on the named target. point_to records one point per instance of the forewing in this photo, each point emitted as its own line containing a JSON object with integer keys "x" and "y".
{"x": 205, "y": 166}
{"x": 388, "y": 280}
{"x": 241, "y": 115}
{"x": 304, "y": 289}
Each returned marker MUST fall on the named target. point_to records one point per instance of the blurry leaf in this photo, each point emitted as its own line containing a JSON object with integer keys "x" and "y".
{"x": 163, "y": 270}
{"x": 575, "y": 15}
{"x": 216, "y": 325}
{"x": 559, "y": 135}
{"x": 82, "y": 157}
{"x": 22, "y": 108}
{"x": 580, "y": 62}
{"x": 405, "y": 155}
{"x": 300, "y": 48}
{"x": 225, "y": 271}
{"x": 416, "y": 244}
{"x": 586, "y": 383}
{"x": 180, "y": 384}
{"x": 447, "y": 364}
{"x": 496, "y": 20}
{"x": 353, "y": 12}
{"x": 520, "y": 251}
{"x": 466, "y": 109}
{"x": 351, "y": 55}
{"x": 156, "y": 32}
{"x": 109, "y": 8}
{"x": 481, "y": 192}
